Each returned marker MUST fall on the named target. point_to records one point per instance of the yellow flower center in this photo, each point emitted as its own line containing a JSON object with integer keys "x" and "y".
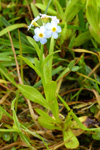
{"x": 53, "y": 29}
{"x": 33, "y": 23}
{"x": 40, "y": 35}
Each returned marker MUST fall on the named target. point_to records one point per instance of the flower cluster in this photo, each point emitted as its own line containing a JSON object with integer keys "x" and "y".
{"x": 48, "y": 29}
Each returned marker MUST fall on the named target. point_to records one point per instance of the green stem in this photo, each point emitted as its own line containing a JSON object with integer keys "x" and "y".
{"x": 41, "y": 61}
{"x": 51, "y": 49}
{"x": 41, "y": 54}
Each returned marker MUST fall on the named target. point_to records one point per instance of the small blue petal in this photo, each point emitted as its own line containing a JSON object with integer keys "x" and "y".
{"x": 42, "y": 28}
{"x": 36, "y": 38}
{"x": 55, "y": 35}
{"x": 58, "y": 29}
{"x": 48, "y": 26}
{"x": 43, "y": 40}
{"x": 54, "y": 23}
{"x": 36, "y": 30}
{"x": 48, "y": 34}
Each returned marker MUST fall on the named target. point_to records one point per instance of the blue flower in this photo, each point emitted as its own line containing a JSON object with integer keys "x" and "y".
{"x": 33, "y": 22}
{"x": 52, "y": 29}
{"x": 54, "y": 18}
{"x": 40, "y": 35}
{"x": 44, "y": 16}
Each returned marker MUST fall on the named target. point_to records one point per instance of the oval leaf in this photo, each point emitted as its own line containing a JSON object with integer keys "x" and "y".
{"x": 71, "y": 140}
{"x": 32, "y": 94}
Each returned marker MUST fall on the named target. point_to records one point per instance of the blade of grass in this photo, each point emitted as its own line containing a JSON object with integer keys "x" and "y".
{"x": 12, "y": 27}
{"x": 20, "y": 51}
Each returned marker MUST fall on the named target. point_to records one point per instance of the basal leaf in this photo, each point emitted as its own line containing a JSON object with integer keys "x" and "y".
{"x": 71, "y": 141}
{"x": 50, "y": 92}
{"x": 33, "y": 94}
{"x": 96, "y": 135}
{"x": 45, "y": 115}
{"x": 46, "y": 124}
{"x": 31, "y": 65}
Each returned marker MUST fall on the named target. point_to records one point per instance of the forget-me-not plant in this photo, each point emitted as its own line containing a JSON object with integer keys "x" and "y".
{"x": 47, "y": 29}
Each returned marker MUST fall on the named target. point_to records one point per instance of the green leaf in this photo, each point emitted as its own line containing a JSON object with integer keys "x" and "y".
{"x": 34, "y": 44}
{"x": 6, "y": 136}
{"x": 55, "y": 71}
{"x": 50, "y": 93}
{"x": 45, "y": 2}
{"x": 45, "y": 115}
{"x": 37, "y": 64}
{"x": 75, "y": 68}
{"x": 15, "y": 136}
{"x": 71, "y": 141}
{"x": 18, "y": 128}
{"x": 59, "y": 8}
{"x": 72, "y": 9}
{"x": 63, "y": 73}
{"x": 26, "y": 48}
{"x": 82, "y": 38}
{"x": 45, "y": 120}
{"x": 71, "y": 64}
{"x": 93, "y": 17}
{"x": 26, "y": 140}
{"x": 95, "y": 35}
{"x": 96, "y": 135}
{"x": 16, "y": 122}
{"x": 5, "y": 112}
{"x": 5, "y": 72}
{"x": 31, "y": 65}
{"x": 36, "y": 13}
{"x": 43, "y": 7}
{"x": 46, "y": 76}
{"x": 82, "y": 19}
{"x": 44, "y": 123}
{"x": 33, "y": 133}
{"x": 91, "y": 14}
{"x": 48, "y": 57}
{"x": 32, "y": 94}
{"x": 51, "y": 49}
{"x": 12, "y": 27}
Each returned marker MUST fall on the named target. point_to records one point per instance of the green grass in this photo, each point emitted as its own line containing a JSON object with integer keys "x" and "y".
{"x": 47, "y": 92}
